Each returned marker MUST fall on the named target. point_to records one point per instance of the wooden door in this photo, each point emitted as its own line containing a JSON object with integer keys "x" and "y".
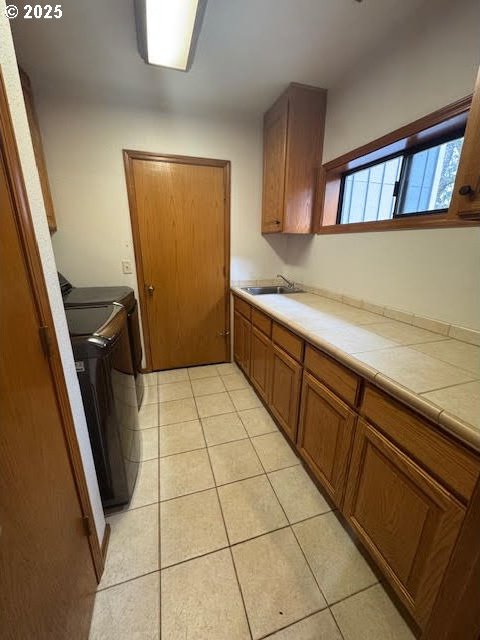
{"x": 274, "y": 161}
{"x": 241, "y": 342}
{"x": 261, "y": 363}
{"x": 407, "y": 521}
{"x": 466, "y": 195}
{"x": 47, "y": 575}
{"x": 180, "y": 219}
{"x": 325, "y": 435}
{"x": 285, "y": 391}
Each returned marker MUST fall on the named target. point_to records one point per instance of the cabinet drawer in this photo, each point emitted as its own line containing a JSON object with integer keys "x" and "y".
{"x": 289, "y": 342}
{"x": 451, "y": 463}
{"x": 242, "y": 307}
{"x": 262, "y": 322}
{"x": 406, "y": 519}
{"x": 335, "y": 376}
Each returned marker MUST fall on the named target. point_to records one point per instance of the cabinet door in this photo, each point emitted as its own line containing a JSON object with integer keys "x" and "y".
{"x": 38, "y": 150}
{"x": 274, "y": 158}
{"x": 241, "y": 342}
{"x": 325, "y": 435}
{"x": 466, "y": 195}
{"x": 407, "y": 521}
{"x": 261, "y": 363}
{"x": 285, "y": 391}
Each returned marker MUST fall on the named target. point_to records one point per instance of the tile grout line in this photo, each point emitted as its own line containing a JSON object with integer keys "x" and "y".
{"x": 226, "y": 533}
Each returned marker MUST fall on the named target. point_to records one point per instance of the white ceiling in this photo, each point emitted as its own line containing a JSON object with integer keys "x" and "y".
{"x": 247, "y": 53}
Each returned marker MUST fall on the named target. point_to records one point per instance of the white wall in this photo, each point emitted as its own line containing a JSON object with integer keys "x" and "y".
{"x": 8, "y": 65}
{"x": 429, "y": 272}
{"x": 83, "y": 145}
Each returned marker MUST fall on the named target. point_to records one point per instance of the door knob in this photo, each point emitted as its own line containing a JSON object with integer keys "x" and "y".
{"x": 150, "y": 289}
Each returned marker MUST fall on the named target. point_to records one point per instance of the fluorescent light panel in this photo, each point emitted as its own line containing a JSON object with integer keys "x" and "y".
{"x": 169, "y": 31}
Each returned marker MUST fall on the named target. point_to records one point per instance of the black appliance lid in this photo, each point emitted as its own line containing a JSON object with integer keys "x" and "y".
{"x": 87, "y": 321}
{"x": 94, "y": 296}
{"x": 65, "y": 285}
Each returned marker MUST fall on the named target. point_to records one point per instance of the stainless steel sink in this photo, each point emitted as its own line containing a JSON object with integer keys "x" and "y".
{"x": 260, "y": 291}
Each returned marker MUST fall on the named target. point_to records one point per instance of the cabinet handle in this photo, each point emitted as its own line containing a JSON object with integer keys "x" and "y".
{"x": 466, "y": 190}
{"x": 276, "y": 221}
{"x": 225, "y": 332}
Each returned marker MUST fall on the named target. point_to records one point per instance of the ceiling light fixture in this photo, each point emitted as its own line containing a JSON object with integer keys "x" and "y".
{"x": 168, "y": 30}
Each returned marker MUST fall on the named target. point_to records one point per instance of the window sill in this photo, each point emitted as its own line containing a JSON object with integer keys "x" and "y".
{"x": 428, "y": 221}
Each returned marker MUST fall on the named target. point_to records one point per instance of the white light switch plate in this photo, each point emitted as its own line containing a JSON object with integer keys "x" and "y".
{"x": 127, "y": 266}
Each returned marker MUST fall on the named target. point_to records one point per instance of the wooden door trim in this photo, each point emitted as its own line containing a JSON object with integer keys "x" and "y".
{"x": 24, "y": 224}
{"x": 129, "y": 155}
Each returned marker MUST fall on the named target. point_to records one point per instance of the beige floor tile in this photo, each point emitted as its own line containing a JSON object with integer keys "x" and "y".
{"x": 205, "y": 371}
{"x": 299, "y": 497}
{"x": 460, "y": 354}
{"x": 274, "y": 452}
{"x": 178, "y": 438}
{"x": 250, "y": 508}
{"x": 207, "y": 386}
{"x": 403, "y": 333}
{"x": 146, "y": 486}
{"x": 257, "y": 421}
{"x": 150, "y": 395}
{"x": 201, "y": 600}
{"x": 227, "y": 368}
{"x": 371, "y": 615}
{"x": 234, "y": 461}
{"x": 149, "y": 444}
{"x": 191, "y": 526}
{"x": 277, "y": 585}
{"x": 177, "y": 411}
{"x": 339, "y": 567}
{"x": 235, "y": 381}
{"x": 150, "y": 379}
{"x": 415, "y": 370}
{"x": 214, "y": 404}
{"x": 245, "y": 399}
{"x": 320, "y": 626}
{"x": 224, "y": 428}
{"x": 185, "y": 473}
{"x": 126, "y": 560}
{"x": 128, "y": 611}
{"x": 174, "y": 375}
{"x": 148, "y": 416}
{"x": 175, "y": 391}
{"x": 462, "y": 400}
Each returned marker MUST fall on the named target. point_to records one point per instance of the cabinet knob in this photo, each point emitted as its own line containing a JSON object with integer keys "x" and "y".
{"x": 150, "y": 289}
{"x": 276, "y": 221}
{"x": 465, "y": 190}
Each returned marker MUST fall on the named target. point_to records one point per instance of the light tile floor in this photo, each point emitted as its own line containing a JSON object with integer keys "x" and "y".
{"x": 226, "y": 536}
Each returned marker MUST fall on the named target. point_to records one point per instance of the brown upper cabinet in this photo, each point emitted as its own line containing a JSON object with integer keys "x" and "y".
{"x": 38, "y": 150}
{"x": 293, "y": 130}
{"x": 466, "y": 195}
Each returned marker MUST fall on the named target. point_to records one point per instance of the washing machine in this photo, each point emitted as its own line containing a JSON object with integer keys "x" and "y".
{"x": 101, "y": 348}
{"x": 94, "y": 296}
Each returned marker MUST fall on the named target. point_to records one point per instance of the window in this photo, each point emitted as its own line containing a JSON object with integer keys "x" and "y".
{"x": 417, "y": 181}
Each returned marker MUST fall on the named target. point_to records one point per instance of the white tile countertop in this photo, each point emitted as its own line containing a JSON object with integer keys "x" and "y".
{"x": 433, "y": 373}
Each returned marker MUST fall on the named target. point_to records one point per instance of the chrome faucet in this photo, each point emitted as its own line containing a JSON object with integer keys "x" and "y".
{"x": 290, "y": 285}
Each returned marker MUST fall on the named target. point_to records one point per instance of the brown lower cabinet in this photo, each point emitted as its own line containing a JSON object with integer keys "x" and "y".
{"x": 405, "y": 518}
{"x": 261, "y": 363}
{"x": 405, "y": 487}
{"x": 285, "y": 391}
{"x": 325, "y": 435}
{"x": 241, "y": 343}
